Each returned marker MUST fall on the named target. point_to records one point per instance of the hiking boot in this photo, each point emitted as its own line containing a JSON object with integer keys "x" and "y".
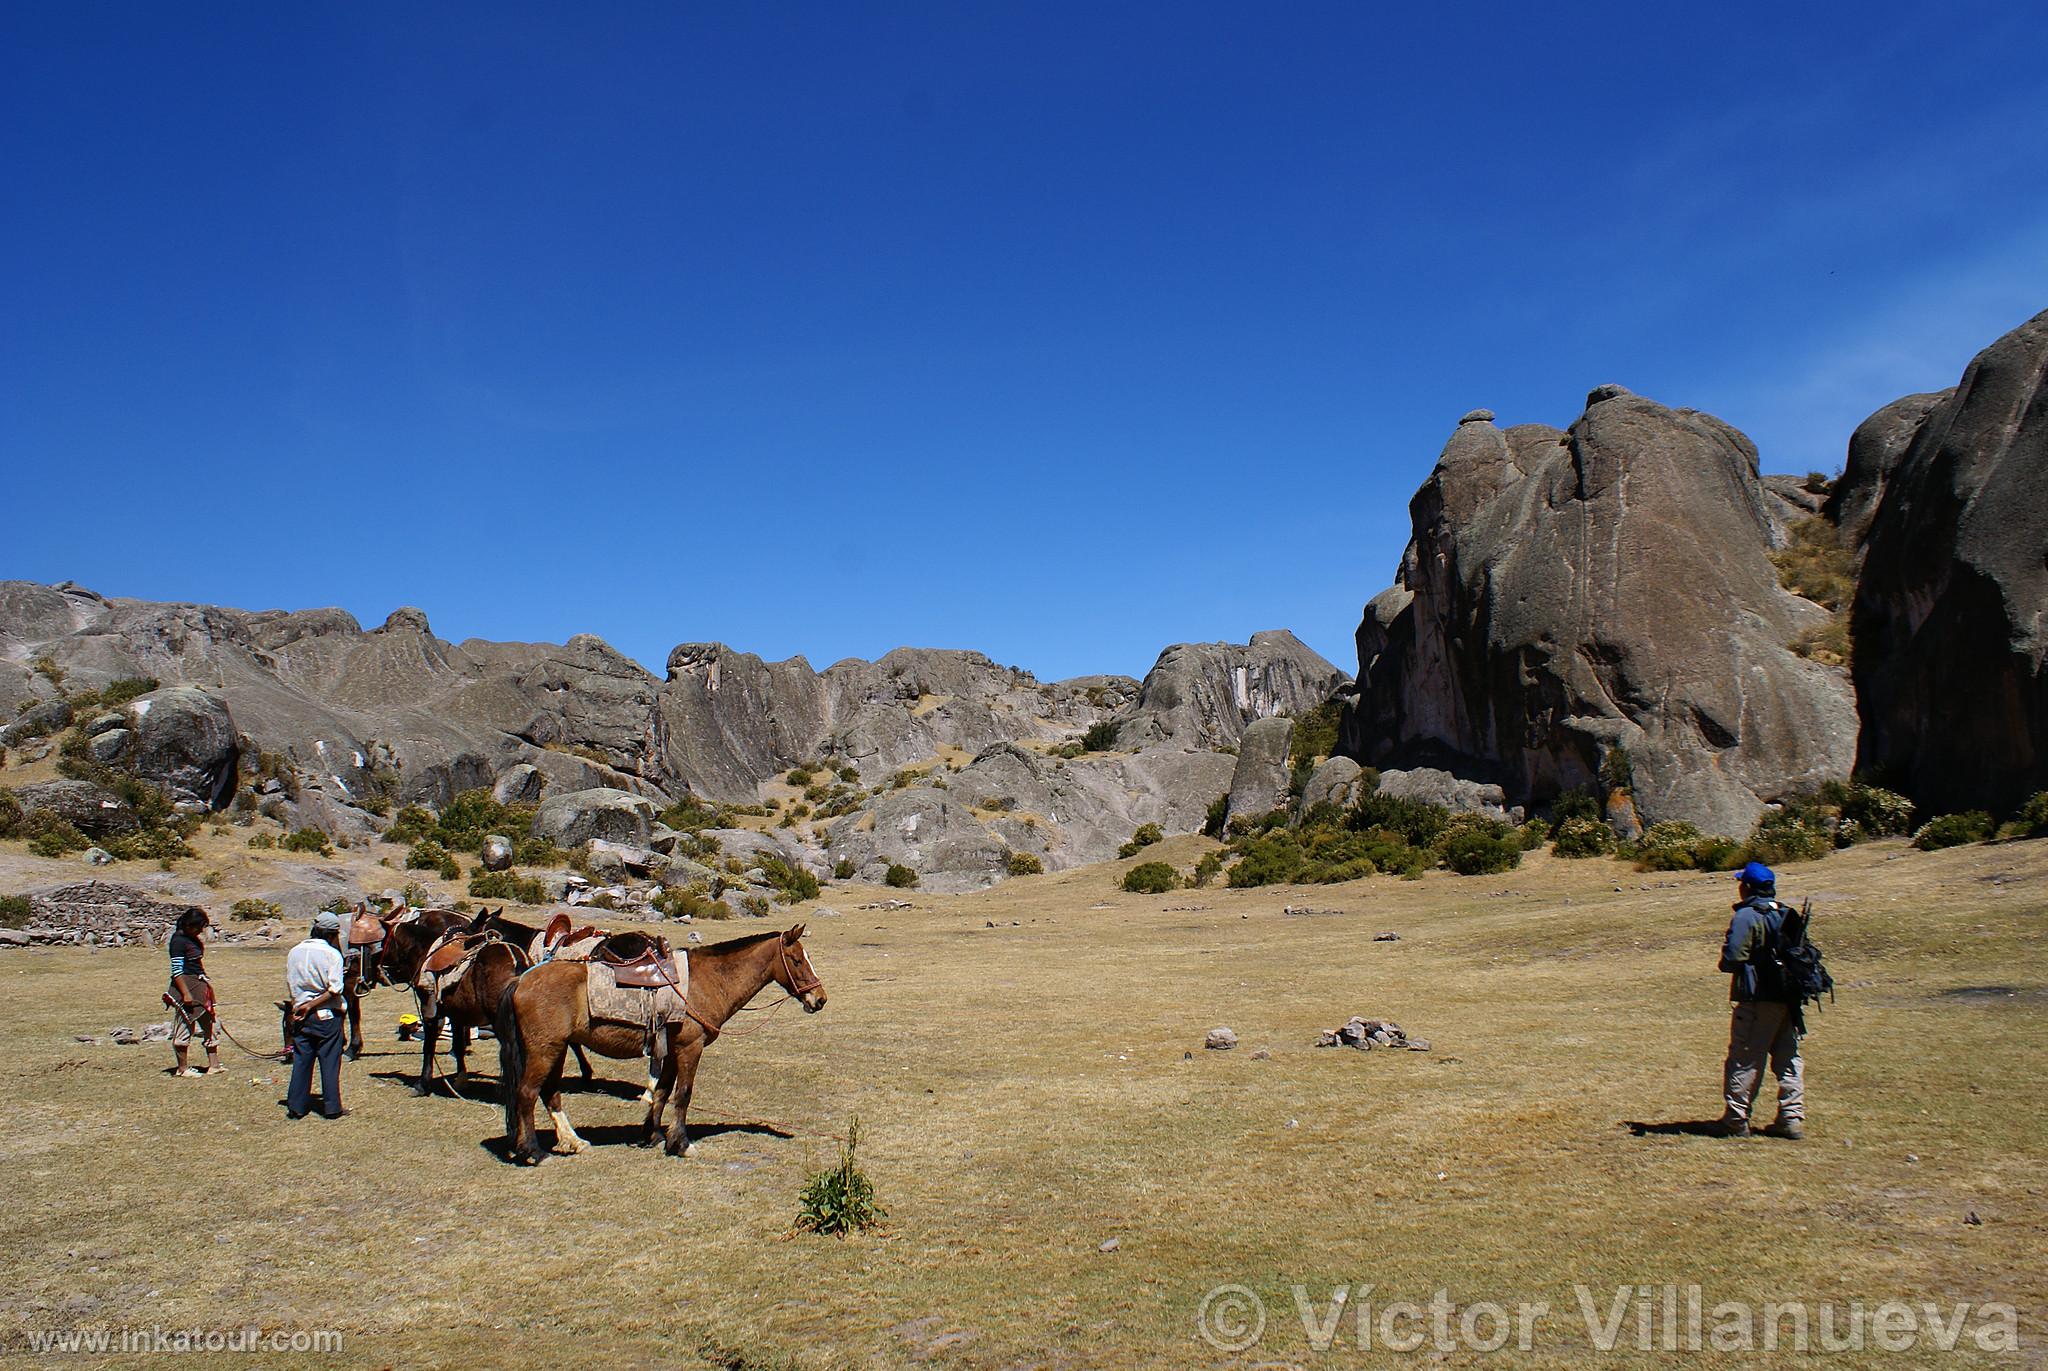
{"x": 1734, "y": 1128}
{"x": 1790, "y": 1129}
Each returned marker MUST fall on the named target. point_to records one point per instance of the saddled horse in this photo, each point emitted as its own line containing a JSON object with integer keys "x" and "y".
{"x": 443, "y": 934}
{"x": 547, "y": 1010}
{"x": 365, "y": 937}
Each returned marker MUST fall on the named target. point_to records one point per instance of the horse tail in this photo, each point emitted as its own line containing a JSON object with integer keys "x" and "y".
{"x": 511, "y": 1056}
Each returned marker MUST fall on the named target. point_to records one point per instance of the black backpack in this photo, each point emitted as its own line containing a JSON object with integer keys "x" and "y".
{"x": 1790, "y": 969}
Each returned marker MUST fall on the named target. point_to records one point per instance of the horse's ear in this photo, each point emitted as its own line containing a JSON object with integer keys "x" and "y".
{"x": 794, "y": 935}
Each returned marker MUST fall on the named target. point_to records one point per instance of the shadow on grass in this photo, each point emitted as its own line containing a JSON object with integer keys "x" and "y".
{"x": 1686, "y": 1128}
{"x": 481, "y": 1088}
{"x": 633, "y": 1135}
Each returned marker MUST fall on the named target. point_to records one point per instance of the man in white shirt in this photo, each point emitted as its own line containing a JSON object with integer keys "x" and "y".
{"x": 312, "y": 977}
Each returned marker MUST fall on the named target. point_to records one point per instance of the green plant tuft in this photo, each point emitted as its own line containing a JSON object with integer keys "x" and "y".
{"x": 842, "y": 1200}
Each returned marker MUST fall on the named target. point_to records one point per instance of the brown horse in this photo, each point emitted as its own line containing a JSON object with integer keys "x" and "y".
{"x": 547, "y": 1010}
{"x": 398, "y": 962}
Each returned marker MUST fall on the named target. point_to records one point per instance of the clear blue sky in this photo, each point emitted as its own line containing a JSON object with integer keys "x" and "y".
{"x": 1059, "y": 331}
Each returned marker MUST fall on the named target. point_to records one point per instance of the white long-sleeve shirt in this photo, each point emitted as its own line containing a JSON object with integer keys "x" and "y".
{"x": 310, "y": 969}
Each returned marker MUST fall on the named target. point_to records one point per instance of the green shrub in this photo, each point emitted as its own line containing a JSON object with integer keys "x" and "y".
{"x": 1100, "y": 737}
{"x": 1209, "y": 868}
{"x": 843, "y": 869}
{"x": 792, "y": 884}
{"x": 532, "y": 851}
{"x": 900, "y": 877}
{"x": 1582, "y": 838}
{"x": 1576, "y": 803}
{"x": 756, "y": 906}
{"x": 409, "y": 825}
{"x": 1617, "y": 771}
{"x": 426, "y": 855}
{"x": 156, "y": 844}
{"x": 307, "y": 840}
{"x": 1151, "y": 878}
{"x": 1876, "y": 812}
{"x": 1315, "y": 734}
{"x": 1025, "y": 864}
{"x": 2032, "y": 820}
{"x": 507, "y": 885}
{"x": 1419, "y": 823}
{"x": 1474, "y": 845}
{"x": 800, "y": 776}
{"x": 262, "y": 842}
{"x": 680, "y": 902}
{"x": 1533, "y": 834}
{"x": 10, "y": 813}
{"x": 1677, "y": 846}
{"x": 1298, "y": 777}
{"x": 474, "y": 815}
{"x": 1953, "y": 830}
{"x": 1146, "y": 835}
{"x": 253, "y": 910}
{"x": 14, "y": 911}
{"x": 1218, "y": 815}
{"x": 842, "y": 1200}
{"x": 1795, "y": 833}
{"x": 50, "y": 836}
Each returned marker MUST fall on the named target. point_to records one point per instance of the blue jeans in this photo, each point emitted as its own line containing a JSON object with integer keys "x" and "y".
{"x": 319, "y": 1038}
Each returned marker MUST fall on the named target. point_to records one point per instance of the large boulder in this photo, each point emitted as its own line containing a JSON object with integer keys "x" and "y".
{"x": 91, "y": 809}
{"x": 1565, "y": 593}
{"x": 1428, "y": 785}
{"x": 1875, "y": 451}
{"x": 1951, "y": 614}
{"x": 1336, "y": 781}
{"x": 1204, "y": 696}
{"x": 1258, "y": 785}
{"x": 183, "y": 739}
{"x": 575, "y": 817}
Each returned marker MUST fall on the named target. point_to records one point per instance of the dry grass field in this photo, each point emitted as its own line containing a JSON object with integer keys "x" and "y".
{"x": 1034, "y": 1089}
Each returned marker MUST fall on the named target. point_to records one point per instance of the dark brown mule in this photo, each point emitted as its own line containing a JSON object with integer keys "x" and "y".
{"x": 398, "y": 963}
{"x": 548, "y": 1009}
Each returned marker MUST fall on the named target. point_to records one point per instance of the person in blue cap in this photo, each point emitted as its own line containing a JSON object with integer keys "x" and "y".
{"x": 1765, "y": 1024}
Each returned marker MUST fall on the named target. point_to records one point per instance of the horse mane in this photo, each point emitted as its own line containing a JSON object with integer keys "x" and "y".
{"x": 746, "y": 941}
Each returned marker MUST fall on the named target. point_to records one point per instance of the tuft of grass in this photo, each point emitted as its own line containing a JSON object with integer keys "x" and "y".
{"x": 307, "y": 840}
{"x": 1024, "y": 864}
{"x": 842, "y": 1200}
{"x": 900, "y": 877}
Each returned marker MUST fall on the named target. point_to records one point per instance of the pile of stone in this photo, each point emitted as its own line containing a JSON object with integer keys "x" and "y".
{"x": 96, "y": 913}
{"x": 1366, "y": 1034}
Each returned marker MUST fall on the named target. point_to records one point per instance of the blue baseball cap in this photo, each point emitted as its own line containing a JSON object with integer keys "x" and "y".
{"x": 1756, "y": 873}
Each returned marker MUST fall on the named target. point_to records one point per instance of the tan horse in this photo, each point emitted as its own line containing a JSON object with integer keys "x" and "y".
{"x": 547, "y": 1010}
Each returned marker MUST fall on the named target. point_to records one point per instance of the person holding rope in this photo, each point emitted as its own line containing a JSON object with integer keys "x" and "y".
{"x": 313, "y": 979}
{"x": 191, "y": 996}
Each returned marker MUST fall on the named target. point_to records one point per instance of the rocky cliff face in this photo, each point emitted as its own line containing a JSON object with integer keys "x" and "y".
{"x": 1568, "y": 592}
{"x": 398, "y": 712}
{"x": 1951, "y": 614}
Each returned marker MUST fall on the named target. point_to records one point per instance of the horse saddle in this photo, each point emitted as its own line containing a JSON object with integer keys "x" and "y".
{"x": 454, "y": 951}
{"x": 365, "y": 930}
{"x": 636, "y": 961}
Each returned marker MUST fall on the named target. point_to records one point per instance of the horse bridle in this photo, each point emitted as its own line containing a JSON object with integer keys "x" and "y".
{"x": 789, "y": 972}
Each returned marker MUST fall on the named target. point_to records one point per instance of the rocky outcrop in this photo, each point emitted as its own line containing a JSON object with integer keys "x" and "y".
{"x": 1258, "y": 785}
{"x": 1065, "y": 812}
{"x": 575, "y": 817}
{"x": 1569, "y": 592}
{"x": 1205, "y": 695}
{"x": 1950, "y": 622}
{"x": 1428, "y": 785}
{"x": 91, "y": 809}
{"x": 1875, "y": 451}
{"x": 1336, "y": 781}
{"x": 181, "y": 739}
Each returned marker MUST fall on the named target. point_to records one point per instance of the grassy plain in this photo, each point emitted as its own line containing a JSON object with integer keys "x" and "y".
{"x": 1033, "y": 1089}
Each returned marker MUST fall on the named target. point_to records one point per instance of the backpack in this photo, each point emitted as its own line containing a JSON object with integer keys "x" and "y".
{"x": 1790, "y": 969}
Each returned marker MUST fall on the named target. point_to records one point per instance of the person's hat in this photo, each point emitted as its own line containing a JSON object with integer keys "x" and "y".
{"x": 327, "y": 921}
{"x": 1756, "y": 873}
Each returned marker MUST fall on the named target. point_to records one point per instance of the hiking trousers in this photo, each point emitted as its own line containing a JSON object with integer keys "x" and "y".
{"x": 1760, "y": 1031}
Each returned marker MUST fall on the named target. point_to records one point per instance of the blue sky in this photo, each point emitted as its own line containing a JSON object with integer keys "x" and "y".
{"x": 1059, "y": 331}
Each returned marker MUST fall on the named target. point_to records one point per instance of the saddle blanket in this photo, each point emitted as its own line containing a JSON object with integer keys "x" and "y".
{"x": 644, "y": 1009}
